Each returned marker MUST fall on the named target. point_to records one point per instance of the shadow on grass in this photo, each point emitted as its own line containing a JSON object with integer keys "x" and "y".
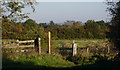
{"x": 98, "y": 65}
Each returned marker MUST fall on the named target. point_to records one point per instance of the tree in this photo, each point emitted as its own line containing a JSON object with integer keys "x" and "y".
{"x": 104, "y": 29}
{"x": 114, "y": 8}
{"x": 13, "y": 10}
{"x": 1, "y": 10}
{"x": 52, "y": 23}
{"x": 77, "y": 24}
{"x": 92, "y": 28}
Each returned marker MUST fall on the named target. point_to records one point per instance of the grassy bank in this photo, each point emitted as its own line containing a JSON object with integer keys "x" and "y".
{"x": 34, "y": 61}
{"x": 12, "y": 60}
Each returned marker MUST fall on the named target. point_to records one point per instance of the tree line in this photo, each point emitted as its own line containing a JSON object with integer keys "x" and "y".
{"x": 69, "y": 30}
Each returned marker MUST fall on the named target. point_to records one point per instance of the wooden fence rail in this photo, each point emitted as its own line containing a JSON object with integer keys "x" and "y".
{"x": 27, "y": 41}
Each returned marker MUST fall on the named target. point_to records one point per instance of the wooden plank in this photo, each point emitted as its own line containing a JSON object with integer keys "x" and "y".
{"x": 10, "y": 46}
{"x": 23, "y": 46}
{"x": 26, "y": 41}
{"x": 80, "y": 41}
{"x": 26, "y": 46}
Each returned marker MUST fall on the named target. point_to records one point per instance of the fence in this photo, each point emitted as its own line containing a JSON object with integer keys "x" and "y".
{"x": 75, "y": 48}
{"x": 36, "y": 44}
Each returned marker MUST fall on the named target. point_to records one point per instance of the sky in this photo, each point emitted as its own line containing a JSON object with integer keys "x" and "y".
{"x": 69, "y": 0}
{"x": 59, "y": 12}
{"x": 74, "y": 0}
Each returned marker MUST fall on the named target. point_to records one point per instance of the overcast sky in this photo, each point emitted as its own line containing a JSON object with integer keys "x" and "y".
{"x": 59, "y": 12}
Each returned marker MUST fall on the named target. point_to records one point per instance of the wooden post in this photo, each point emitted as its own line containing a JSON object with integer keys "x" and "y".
{"x": 49, "y": 43}
{"x": 87, "y": 49}
{"x": 38, "y": 45}
{"x": 17, "y": 43}
{"x": 108, "y": 49}
{"x": 74, "y": 49}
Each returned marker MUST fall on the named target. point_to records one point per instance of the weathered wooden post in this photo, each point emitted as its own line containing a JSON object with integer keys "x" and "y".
{"x": 74, "y": 49}
{"x": 87, "y": 49}
{"x": 38, "y": 45}
{"x": 108, "y": 49}
{"x": 49, "y": 43}
{"x": 17, "y": 43}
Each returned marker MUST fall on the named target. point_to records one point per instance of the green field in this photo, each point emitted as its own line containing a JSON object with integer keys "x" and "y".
{"x": 81, "y": 42}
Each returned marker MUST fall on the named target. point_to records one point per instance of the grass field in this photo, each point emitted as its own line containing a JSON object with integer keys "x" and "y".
{"x": 81, "y": 42}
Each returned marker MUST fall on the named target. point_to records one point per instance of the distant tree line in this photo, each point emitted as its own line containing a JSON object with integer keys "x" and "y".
{"x": 70, "y": 30}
